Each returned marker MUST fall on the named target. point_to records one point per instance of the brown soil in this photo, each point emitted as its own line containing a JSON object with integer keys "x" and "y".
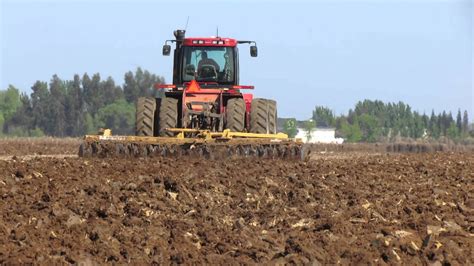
{"x": 350, "y": 208}
{"x": 38, "y": 146}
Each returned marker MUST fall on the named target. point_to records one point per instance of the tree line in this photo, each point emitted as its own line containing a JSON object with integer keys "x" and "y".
{"x": 86, "y": 103}
{"x": 374, "y": 121}
{"x": 75, "y": 107}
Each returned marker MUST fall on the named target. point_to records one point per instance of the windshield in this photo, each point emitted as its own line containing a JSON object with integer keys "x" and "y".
{"x": 211, "y": 64}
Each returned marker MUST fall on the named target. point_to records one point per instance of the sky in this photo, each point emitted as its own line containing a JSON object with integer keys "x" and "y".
{"x": 330, "y": 53}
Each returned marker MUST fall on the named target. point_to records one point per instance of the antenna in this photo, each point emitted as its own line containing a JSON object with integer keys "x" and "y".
{"x": 186, "y": 27}
{"x": 217, "y": 31}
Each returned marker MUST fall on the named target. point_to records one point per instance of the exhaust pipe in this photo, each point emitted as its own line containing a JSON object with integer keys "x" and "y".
{"x": 179, "y": 35}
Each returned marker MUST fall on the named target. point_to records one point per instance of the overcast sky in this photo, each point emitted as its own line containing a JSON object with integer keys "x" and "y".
{"x": 331, "y": 53}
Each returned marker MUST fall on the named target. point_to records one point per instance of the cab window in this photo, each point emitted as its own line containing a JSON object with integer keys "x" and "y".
{"x": 208, "y": 64}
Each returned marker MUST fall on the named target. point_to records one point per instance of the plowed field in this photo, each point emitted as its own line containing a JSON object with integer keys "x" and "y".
{"x": 350, "y": 207}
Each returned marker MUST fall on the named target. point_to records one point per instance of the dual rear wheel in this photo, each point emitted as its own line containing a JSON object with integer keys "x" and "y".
{"x": 153, "y": 116}
{"x": 263, "y": 116}
{"x": 235, "y": 114}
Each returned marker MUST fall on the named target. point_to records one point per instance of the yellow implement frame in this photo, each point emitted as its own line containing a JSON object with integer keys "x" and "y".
{"x": 226, "y": 134}
{"x": 201, "y": 136}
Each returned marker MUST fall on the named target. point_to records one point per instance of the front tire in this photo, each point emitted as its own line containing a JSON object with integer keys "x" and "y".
{"x": 167, "y": 116}
{"x": 145, "y": 116}
{"x": 235, "y": 114}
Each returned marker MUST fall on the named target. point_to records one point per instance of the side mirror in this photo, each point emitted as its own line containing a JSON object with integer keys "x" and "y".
{"x": 190, "y": 70}
{"x": 166, "y": 49}
{"x": 253, "y": 51}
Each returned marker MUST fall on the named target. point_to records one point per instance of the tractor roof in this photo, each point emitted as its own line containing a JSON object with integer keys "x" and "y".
{"x": 210, "y": 41}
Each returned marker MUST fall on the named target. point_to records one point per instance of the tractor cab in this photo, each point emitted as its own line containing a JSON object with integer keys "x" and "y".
{"x": 210, "y": 61}
{"x": 209, "y": 64}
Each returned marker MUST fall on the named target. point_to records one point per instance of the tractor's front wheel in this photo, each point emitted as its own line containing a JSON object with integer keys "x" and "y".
{"x": 167, "y": 116}
{"x": 145, "y": 116}
{"x": 263, "y": 116}
{"x": 235, "y": 114}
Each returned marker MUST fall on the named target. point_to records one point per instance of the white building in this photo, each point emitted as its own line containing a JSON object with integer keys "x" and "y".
{"x": 319, "y": 135}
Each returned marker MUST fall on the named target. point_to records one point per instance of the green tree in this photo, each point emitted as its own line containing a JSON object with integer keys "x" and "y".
{"x": 130, "y": 88}
{"x": 290, "y": 127}
{"x": 445, "y": 121}
{"x": 426, "y": 121}
{"x": 40, "y": 104}
{"x": 74, "y": 107}
{"x": 89, "y": 124}
{"x": 351, "y": 133}
{"x": 23, "y": 119}
{"x": 434, "y": 126}
{"x": 9, "y": 101}
{"x": 323, "y": 117}
{"x": 417, "y": 126}
{"x": 465, "y": 123}
{"x": 140, "y": 84}
{"x": 87, "y": 92}
{"x": 369, "y": 126}
{"x": 452, "y": 131}
{"x": 118, "y": 116}
{"x": 110, "y": 92}
{"x": 459, "y": 121}
{"x": 309, "y": 127}
{"x": 2, "y": 121}
{"x": 57, "y": 107}
{"x": 95, "y": 99}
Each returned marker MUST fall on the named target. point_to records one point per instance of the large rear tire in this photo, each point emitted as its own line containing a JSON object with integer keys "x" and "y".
{"x": 145, "y": 116}
{"x": 263, "y": 116}
{"x": 168, "y": 116}
{"x": 235, "y": 115}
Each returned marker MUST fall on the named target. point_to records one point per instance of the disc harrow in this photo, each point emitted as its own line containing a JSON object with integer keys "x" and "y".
{"x": 206, "y": 150}
{"x": 209, "y": 146}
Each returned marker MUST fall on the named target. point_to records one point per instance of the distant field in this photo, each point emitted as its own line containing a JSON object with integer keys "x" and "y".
{"x": 38, "y": 146}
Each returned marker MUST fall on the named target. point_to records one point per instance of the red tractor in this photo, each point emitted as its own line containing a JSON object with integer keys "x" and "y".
{"x": 205, "y": 94}
{"x": 203, "y": 112}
